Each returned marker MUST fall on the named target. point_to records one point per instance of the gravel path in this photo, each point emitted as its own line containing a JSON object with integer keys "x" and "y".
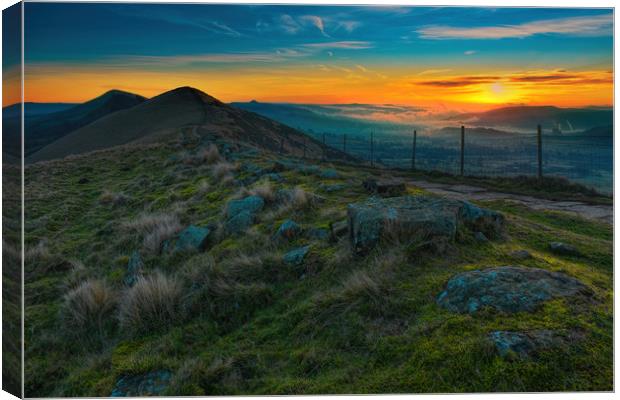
{"x": 604, "y": 213}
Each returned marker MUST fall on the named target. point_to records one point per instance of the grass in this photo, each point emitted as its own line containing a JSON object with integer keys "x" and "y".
{"x": 237, "y": 320}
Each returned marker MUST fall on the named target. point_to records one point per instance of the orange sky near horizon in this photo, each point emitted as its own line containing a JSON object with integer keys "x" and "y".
{"x": 435, "y": 89}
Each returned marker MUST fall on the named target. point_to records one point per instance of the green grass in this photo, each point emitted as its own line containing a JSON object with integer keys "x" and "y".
{"x": 340, "y": 323}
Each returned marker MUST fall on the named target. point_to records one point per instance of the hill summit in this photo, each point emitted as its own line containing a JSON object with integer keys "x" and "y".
{"x": 188, "y": 111}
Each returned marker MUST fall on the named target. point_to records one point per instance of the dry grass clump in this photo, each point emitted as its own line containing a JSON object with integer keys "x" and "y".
{"x": 211, "y": 155}
{"x": 88, "y": 307}
{"x": 114, "y": 199}
{"x": 221, "y": 170}
{"x": 155, "y": 228}
{"x": 264, "y": 190}
{"x": 153, "y": 303}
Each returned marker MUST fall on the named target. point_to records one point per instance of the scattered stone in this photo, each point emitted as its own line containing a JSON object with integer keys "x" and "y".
{"x": 563, "y": 249}
{"x": 251, "y": 204}
{"x": 296, "y": 256}
{"x": 338, "y": 229}
{"x": 509, "y": 289}
{"x": 149, "y": 384}
{"x": 524, "y": 344}
{"x": 83, "y": 181}
{"x": 288, "y": 230}
{"x": 421, "y": 219}
{"x": 240, "y": 222}
{"x": 329, "y": 174}
{"x": 192, "y": 238}
{"x": 318, "y": 233}
{"x": 333, "y": 187}
{"x": 134, "y": 268}
{"x": 480, "y": 237}
{"x": 274, "y": 176}
{"x": 385, "y": 188}
{"x": 521, "y": 254}
{"x": 489, "y": 222}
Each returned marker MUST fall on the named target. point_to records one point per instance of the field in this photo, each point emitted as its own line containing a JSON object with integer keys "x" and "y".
{"x": 238, "y": 319}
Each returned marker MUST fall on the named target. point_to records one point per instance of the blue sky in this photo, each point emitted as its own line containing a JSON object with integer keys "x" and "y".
{"x": 391, "y": 41}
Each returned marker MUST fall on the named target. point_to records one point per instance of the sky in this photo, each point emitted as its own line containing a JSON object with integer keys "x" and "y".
{"x": 441, "y": 58}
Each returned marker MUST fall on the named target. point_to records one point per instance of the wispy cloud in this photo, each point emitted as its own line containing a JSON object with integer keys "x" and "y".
{"x": 434, "y": 71}
{"x": 600, "y": 25}
{"x": 470, "y": 52}
{"x": 346, "y": 44}
{"x": 315, "y": 21}
{"x": 461, "y": 81}
{"x": 289, "y": 25}
{"x": 348, "y": 26}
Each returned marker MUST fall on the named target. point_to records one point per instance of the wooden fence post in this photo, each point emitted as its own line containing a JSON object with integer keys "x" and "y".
{"x": 539, "y": 140}
{"x": 462, "y": 149}
{"x": 415, "y": 136}
{"x": 372, "y": 149}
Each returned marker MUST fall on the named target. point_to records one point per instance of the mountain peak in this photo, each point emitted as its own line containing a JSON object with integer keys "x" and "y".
{"x": 188, "y": 93}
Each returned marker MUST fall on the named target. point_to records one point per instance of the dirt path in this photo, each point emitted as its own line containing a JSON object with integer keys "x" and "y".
{"x": 604, "y": 213}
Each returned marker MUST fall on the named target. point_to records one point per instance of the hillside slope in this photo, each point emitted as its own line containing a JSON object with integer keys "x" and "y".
{"x": 45, "y": 127}
{"x": 285, "y": 305}
{"x": 186, "y": 109}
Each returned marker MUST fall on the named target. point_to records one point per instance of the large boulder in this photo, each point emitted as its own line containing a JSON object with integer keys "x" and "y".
{"x": 192, "y": 238}
{"x": 241, "y": 213}
{"x": 148, "y": 384}
{"x": 422, "y": 219}
{"x": 251, "y": 204}
{"x": 508, "y": 289}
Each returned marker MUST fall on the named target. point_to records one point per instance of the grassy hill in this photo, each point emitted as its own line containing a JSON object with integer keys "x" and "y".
{"x": 42, "y": 126}
{"x": 182, "y": 108}
{"x": 232, "y": 317}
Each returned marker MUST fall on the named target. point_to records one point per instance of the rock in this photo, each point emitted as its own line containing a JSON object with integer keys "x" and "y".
{"x": 508, "y": 289}
{"x": 338, "y": 229}
{"x": 192, "y": 238}
{"x": 563, "y": 249}
{"x": 251, "y": 204}
{"x": 318, "y": 233}
{"x": 149, "y": 384}
{"x": 385, "y": 188}
{"x": 83, "y": 181}
{"x": 296, "y": 256}
{"x": 489, "y": 222}
{"x": 421, "y": 219}
{"x": 480, "y": 237}
{"x": 309, "y": 169}
{"x": 134, "y": 268}
{"x": 288, "y": 230}
{"x": 334, "y": 187}
{"x": 278, "y": 167}
{"x": 274, "y": 176}
{"x": 521, "y": 254}
{"x": 329, "y": 174}
{"x": 524, "y": 344}
{"x": 240, "y": 222}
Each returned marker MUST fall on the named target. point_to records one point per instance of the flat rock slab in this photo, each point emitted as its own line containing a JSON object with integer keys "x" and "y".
{"x": 524, "y": 344}
{"x": 416, "y": 219}
{"x": 385, "y": 187}
{"x": 241, "y": 213}
{"x": 149, "y": 384}
{"x": 508, "y": 289}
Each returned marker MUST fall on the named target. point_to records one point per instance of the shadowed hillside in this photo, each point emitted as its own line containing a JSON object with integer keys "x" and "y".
{"x": 183, "y": 108}
{"x": 44, "y": 127}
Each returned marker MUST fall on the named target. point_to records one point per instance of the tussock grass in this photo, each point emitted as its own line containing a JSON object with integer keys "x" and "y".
{"x": 114, "y": 199}
{"x": 154, "y": 228}
{"x": 88, "y": 308}
{"x": 152, "y": 304}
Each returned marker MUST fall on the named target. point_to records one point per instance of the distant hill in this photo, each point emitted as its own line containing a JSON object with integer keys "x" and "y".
{"x": 174, "y": 110}
{"x": 33, "y": 109}
{"x": 527, "y": 117}
{"x": 46, "y": 127}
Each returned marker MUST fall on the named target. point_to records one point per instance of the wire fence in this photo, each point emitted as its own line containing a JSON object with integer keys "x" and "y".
{"x": 587, "y": 160}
